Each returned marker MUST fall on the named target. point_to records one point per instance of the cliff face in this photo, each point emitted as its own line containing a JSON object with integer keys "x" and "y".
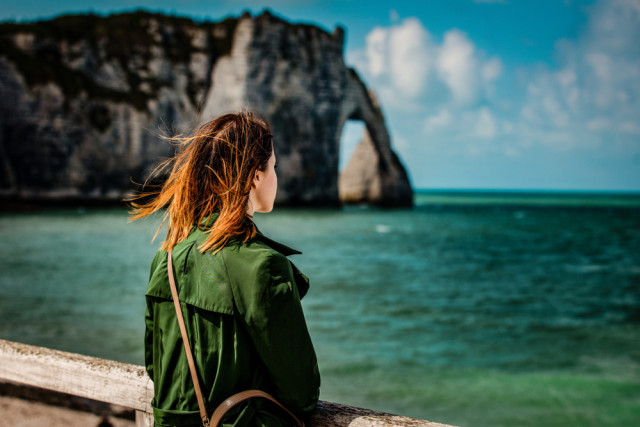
{"x": 84, "y": 101}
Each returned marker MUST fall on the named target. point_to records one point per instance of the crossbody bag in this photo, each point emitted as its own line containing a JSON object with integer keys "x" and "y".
{"x": 232, "y": 401}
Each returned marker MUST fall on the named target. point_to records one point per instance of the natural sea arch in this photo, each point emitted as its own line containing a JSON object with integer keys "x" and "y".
{"x": 352, "y": 132}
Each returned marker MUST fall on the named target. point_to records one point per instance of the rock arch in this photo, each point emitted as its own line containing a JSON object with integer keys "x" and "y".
{"x": 374, "y": 173}
{"x": 299, "y": 81}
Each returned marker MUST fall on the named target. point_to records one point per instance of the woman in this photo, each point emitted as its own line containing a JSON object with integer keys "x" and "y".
{"x": 239, "y": 294}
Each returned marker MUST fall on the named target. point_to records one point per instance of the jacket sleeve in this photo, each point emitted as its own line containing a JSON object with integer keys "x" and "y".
{"x": 269, "y": 304}
{"x": 148, "y": 326}
{"x": 148, "y": 342}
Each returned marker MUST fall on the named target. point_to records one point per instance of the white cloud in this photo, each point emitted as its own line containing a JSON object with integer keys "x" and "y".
{"x": 468, "y": 130}
{"x": 444, "y": 82}
{"x": 377, "y": 51}
{"x": 485, "y": 124}
{"x": 589, "y": 99}
{"x": 630, "y": 127}
{"x": 601, "y": 65}
{"x": 438, "y": 122}
{"x": 599, "y": 124}
{"x": 400, "y": 55}
{"x": 492, "y": 69}
{"x": 595, "y": 94}
{"x": 405, "y": 62}
{"x": 457, "y": 66}
{"x": 410, "y": 61}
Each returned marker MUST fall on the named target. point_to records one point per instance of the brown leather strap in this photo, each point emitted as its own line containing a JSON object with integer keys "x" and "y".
{"x": 244, "y": 395}
{"x": 185, "y": 341}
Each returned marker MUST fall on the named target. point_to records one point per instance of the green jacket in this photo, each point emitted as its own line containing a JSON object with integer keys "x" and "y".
{"x": 246, "y": 329}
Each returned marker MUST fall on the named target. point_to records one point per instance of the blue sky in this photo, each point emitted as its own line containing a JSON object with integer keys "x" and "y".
{"x": 476, "y": 93}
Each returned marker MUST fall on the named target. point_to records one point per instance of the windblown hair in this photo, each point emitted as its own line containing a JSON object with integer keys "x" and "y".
{"x": 212, "y": 173}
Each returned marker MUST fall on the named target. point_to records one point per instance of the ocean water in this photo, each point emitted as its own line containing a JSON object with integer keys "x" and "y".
{"x": 473, "y": 309}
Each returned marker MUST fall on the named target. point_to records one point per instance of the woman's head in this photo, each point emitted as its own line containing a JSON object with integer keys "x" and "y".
{"x": 222, "y": 160}
{"x": 225, "y": 167}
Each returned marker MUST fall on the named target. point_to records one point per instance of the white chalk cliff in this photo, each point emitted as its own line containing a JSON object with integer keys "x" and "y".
{"x": 84, "y": 101}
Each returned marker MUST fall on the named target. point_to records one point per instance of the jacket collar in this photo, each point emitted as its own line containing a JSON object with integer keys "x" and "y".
{"x": 282, "y": 248}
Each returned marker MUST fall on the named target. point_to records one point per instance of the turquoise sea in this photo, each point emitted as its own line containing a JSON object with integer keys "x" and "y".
{"x": 472, "y": 308}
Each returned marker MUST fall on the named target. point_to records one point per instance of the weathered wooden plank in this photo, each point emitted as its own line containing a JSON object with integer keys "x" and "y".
{"x": 90, "y": 377}
{"x": 128, "y": 385}
{"x": 144, "y": 419}
{"x": 335, "y": 414}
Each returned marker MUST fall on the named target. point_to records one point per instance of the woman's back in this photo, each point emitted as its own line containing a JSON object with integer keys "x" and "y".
{"x": 246, "y": 328}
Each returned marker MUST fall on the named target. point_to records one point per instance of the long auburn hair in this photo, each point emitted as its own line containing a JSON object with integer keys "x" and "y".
{"x": 212, "y": 173}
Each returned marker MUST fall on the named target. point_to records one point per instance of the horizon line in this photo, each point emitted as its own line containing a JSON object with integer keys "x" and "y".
{"x": 525, "y": 190}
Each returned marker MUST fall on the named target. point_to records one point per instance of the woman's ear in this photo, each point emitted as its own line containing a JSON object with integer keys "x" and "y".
{"x": 256, "y": 179}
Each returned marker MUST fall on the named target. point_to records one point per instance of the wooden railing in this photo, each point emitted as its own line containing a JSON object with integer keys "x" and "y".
{"x": 129, "y": 385}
